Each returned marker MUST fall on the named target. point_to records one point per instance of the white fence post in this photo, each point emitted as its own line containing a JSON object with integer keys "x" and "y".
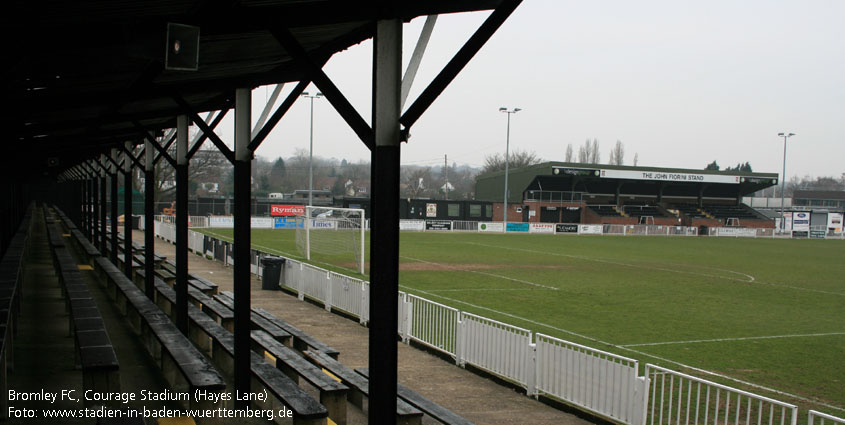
{"x": 329, "y": 286}
{"x": 300, "y": 292}
{"x": 530, "y": 369}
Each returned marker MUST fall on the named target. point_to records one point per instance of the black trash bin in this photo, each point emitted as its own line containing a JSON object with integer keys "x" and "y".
{"x": 272, "y": 274}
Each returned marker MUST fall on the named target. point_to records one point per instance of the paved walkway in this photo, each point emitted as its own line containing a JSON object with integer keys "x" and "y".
{"x": 479, "y": 399}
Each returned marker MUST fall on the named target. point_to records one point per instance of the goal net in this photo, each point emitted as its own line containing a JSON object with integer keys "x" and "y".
{"x": 332, "y": 232}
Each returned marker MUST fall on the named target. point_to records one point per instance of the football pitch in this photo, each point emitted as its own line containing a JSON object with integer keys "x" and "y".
{"x": 760, "y": 313}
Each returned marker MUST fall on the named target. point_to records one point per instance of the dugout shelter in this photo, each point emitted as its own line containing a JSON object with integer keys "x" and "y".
{"x": 561, "y": 192}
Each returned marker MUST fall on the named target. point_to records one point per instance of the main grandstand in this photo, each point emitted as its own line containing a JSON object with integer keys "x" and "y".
{"x": 561, "y": 192}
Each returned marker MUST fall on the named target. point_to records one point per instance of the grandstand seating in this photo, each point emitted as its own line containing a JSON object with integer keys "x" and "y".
{"x": 643, "y": 210}
{"x": 690, "y": 210}
{"x": 605, "y": 210}
{"x": 731, "y": 211}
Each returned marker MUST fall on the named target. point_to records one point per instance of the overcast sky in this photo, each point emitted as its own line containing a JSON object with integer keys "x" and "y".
{"x": 679, "y": 83}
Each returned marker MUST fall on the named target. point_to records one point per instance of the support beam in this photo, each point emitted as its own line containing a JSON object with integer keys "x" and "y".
{"x": 458, "y": 62}
{"x": 416, "y": 57}
{"x": 95, "y": 207}
{"x": 202, "y": 136}
{"x": 325, "y": 84}
{"x": 242, "y": 163}
{"x": 181, "y": 224}
{"x": 149, "y": 219}
{"x": 103, "y": 210}
{"x": 267, "y": 108}
{"x": 384, "y": 246}
{"x": 127, "y": 209}
{"x": 115, "y": 169}
{"x": 280, "y": 112}
{"x": 206, "y": 130}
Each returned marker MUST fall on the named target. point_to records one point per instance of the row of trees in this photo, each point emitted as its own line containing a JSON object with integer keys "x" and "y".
{"x": 589, "y": 153}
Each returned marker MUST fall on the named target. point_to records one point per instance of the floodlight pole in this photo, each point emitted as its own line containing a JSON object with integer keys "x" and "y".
{"x": 783, "y": 182}
{"x": 507, "y": 150}
{"x": 311, "y": 149}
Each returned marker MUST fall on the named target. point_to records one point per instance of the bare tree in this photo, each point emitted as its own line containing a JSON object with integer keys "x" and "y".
{"x": 617, "y": 154}
{"x": 205, "y": 165}
{"x": 568, "y": 157}
{"x": 589, "y": 152}
{"x": 636, "y": 158}
{"x": 517, "y": 159}
{"x": 416, "y": 181}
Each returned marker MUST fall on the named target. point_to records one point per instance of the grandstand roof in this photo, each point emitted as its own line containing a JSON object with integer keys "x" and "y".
{"x": 603, "y": 178}
{"x": 80, "y": 74}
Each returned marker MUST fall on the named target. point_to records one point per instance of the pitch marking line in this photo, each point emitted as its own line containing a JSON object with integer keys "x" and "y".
{"x": 482, "y": 273}
{"x": 487, "y": 289}
{"x": 750, "y": 279}
{"x": 748, "y": 338}
{"x": 621, "y": 347}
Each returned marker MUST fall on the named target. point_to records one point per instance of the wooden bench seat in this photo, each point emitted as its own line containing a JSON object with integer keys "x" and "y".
{"x": 285, "y": 392}
{"x": 405, "y": 413}
{"x": 301, "y": 340}
{"x": 183, "y": 366}
{"x": 332, "y": 392}
{"x": 430, "y": 408}
{"x": 259, "y": 323}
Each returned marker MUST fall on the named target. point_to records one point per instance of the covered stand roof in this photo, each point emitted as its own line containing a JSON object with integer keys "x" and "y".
{"x": 604, "y": 179}
{"x": 79, "y": 75}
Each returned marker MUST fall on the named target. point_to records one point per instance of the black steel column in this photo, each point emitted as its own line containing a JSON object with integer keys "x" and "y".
{"x": 113, "y": 252}
{"x": 127, "y": 211}
{"x": 95, "y": 206}
{"x": 149, "y": 220}
{"x": 242, "y": 243}
{"x": 87, "y": 216}
{"x": 103, "y": 212}
{"x": 182, "y": 223}
{"x": 384, "y": 231}
{"x": 95, "y": 210}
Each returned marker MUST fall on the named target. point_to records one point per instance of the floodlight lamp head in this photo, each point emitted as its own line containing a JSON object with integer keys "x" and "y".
{"x": 319, "y": 94}
{"x": 790, "y": 134}
{"x": 503, "y": 109}
{"x": 304, "y": 94}
{"x": 780, "y": 134}
{"x": 517, "y": 109}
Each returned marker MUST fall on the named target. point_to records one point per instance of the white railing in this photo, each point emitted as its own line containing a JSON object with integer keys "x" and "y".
{"x": 677, "y": 398}
{"x": 496, "y": 347}
{"x": 596, "y": 380}
{"x": 813, "y": 415}
{"x": 464, "y": 226}
{"x": 347, "y": 293}
{"x": 434, "y": 324}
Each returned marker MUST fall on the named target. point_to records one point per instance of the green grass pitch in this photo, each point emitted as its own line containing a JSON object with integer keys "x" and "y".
{"x": 767, "y": 312}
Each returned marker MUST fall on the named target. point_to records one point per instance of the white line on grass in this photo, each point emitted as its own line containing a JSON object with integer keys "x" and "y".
{"x": 482, "y": 273}
{"x": 621, "y": 347}
{"x": 488, "y": 289}
{"x": 747, "y": 338}
{"x": 750, "y": 279}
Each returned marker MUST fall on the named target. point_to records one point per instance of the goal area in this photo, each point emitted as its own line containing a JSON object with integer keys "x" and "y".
{"x": 333, "y": 232}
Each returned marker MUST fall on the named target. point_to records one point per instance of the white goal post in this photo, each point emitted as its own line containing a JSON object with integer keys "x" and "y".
{"x": 332, "y": 231}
